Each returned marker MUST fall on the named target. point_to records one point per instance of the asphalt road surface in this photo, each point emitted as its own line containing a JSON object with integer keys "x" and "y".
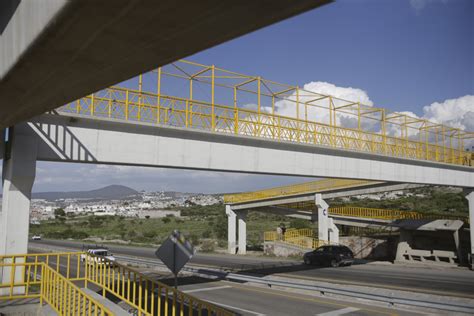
{"x": 251, "y": 300}
{"x": 449, "y": 281}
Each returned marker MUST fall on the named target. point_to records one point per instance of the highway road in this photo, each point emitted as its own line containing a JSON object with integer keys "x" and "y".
{"x": 251, "y": 300}
{"x": 455, "y": 281}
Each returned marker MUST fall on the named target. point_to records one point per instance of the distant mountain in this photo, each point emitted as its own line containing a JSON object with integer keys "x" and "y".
{"x": 111, "y": 192}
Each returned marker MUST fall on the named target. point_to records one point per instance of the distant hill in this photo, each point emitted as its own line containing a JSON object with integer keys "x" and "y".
{"x": 113, "y": 192}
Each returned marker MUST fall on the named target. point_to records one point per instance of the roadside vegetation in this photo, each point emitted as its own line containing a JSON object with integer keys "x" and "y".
{"x": 426, "y": 200}
{"x": 206, "y": 226}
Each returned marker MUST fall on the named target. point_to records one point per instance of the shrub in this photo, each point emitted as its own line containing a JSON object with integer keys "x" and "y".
{"x": 208, "y": 246}
{"x": 299, "y": 223}
{"x": 166, "y": 220}
{"x": 149, "y": 234}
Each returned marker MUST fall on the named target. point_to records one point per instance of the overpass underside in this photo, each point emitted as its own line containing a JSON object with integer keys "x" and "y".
{"x": 54, "y": 52}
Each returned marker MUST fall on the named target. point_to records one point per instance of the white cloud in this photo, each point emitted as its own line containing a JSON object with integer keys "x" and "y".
{"x": 320, "y": 113}
{"x": 419, "y": 5}
{"x": 457, "y": 113}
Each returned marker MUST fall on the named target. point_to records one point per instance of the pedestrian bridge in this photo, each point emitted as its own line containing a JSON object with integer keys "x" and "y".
{"x": 192, "y": 116}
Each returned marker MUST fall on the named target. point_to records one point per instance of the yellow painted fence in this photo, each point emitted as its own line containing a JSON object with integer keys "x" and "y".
{"x": 385, "y": 214}
{"x": 54, "y": 277}
{"x": 303, "y": 238}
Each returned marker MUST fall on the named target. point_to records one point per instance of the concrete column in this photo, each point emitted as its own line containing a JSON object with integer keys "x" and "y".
{"x": 457, "y": 243}
{"x": 19, "y": 171}
{"x": 403, "y": 244}
{"x": 2, "y": 143}
{"x": 323, "y": 219}
{"x": 231, "y": 229}
{"x": 333, "y": 232}
{"x": 242, "y": 215}
{"x": 470, "y": 199}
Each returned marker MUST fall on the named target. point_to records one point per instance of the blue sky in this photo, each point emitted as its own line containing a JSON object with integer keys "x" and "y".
{"x": 404, "y": 55}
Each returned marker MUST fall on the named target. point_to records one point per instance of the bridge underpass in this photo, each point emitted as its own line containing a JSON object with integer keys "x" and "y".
{"x": 77, "y": 47}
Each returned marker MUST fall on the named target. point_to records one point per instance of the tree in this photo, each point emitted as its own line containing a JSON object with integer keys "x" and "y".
{"x": 59, "y": 212}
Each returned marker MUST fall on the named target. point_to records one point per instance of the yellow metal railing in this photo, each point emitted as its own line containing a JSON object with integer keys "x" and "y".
{"x": 38, "y": 280}
{"x": 296, "y": 189}
{"x": 386, "y": 214}
{"x": 147, "y": 296}
{"x": 49, "y": 277}
{"x": 303, "y": 238}
{"x": 159, "y": 109}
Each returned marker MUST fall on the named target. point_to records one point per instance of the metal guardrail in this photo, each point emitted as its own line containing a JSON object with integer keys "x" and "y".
{"x": 49, "y": 277}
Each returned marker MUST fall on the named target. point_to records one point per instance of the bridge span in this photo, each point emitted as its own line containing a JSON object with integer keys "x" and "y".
{"x": 217, "y": 131}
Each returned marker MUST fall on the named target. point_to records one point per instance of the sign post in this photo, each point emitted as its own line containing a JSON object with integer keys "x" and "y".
{"x": 175, "y": 252}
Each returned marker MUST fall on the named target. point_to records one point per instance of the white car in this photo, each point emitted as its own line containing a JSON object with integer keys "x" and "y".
{"x": 36, "y": 237}
{"x": 98, "y": 255}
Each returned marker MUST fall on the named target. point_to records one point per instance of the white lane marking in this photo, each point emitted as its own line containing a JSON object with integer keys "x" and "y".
{"x": 237, "y": 308}
{"x": 340, "y": 311}
{"x": 207, "y": 289}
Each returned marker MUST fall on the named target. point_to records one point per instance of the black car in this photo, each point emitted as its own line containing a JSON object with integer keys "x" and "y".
{"x": 332, "y": 256}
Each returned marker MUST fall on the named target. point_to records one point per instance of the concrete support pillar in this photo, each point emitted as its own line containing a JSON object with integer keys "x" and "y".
{"x": 403, "y": 245}
{"x": 231, "y": 229}
{"x": 323, "y": 219}
{"x": 242, "y": 216}
{"x": 333, "y": 232}
{"x": 457, "y": 243}
{"x": 2, "y": 143}
{"x": 19, "y": 169}
{"x": 470, "y": 199}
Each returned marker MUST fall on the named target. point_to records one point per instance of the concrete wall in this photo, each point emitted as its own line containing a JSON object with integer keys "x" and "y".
{"x": 282, "y": 249}
{"x": 363, "y": 248}
{"x": 112, "y": 142}
{"x": 367, "y": 247}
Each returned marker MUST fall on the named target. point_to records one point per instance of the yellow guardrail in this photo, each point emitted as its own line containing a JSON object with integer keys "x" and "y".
{"x": 386, "y": 214}
{"x": 49, "y": 277}
{"x": 303, "y": 238}
{"x": 147, "y": 296}
{"x": 38, "y": 280}
{"x": 295, "y": 189}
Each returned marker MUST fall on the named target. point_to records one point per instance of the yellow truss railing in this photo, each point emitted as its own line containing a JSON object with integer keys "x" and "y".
{"x": 49, "y": 277}
{"x": 433, "y": 142}
{"x": 303, "y": 238}
{"x": 296, "y": 189}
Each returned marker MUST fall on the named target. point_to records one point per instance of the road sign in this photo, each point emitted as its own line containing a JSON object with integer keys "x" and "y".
{"x": 175, "y": 252}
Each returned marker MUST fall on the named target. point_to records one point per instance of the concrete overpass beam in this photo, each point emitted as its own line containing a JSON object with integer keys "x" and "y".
{"x": 231, "y": 229}
{"x": 19, "y": 171}
{"x": 323, "y": 219}
{"x": 242, "y": 218}
{"x": 470, "y": 199}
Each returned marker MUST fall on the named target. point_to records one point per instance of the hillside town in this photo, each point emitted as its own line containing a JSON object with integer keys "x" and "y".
{"x": 141, "y": 205}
